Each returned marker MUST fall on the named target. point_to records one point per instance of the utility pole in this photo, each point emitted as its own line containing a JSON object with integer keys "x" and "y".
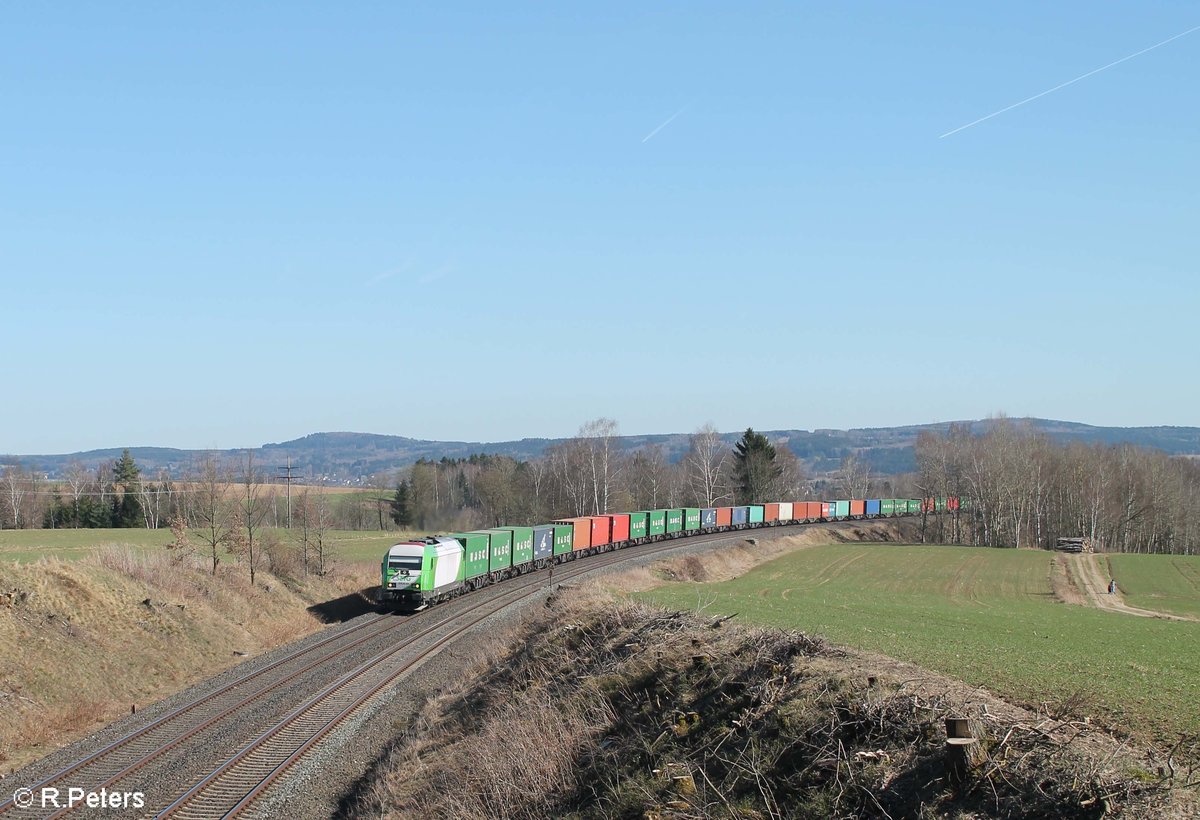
{"x": 286, "y": 474}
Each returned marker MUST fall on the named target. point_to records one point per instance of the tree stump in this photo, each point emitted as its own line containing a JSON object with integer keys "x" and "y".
{"x": 963, "y": 756}
{"x": 965, "y": 727}
{"x": 964, "y": 749}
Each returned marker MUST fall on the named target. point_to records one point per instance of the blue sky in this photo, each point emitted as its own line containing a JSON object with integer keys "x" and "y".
{"x": 222, "y": 225}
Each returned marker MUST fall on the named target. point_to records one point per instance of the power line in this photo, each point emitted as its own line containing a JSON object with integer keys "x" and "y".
{"x": 288, "y": 477}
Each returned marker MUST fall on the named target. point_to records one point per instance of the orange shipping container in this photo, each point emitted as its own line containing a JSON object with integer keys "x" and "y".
{"x": 770, "y": 512}
{"x": 583, "y": 532}
{"x": 724, "y": 516}
{"x": 620, "y": 527}
{"x": 815, "y": 509}
{"x": 858, "y": 506}
{"x": 601, "y": 530}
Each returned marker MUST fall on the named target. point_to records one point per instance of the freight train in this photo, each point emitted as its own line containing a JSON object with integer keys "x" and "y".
{"x": 418, "y": 573}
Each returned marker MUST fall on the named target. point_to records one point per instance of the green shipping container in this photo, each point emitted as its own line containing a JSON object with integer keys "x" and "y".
{"x": 522, "y": 545}
{"x": 691, "y": 518}
{"x": 501, "y": 553}
{"x": 656, "y": 522}
{"x": 475, "y": 553}
{"x": 841, "y": 509}
{"x": 756, "y": 513}
{"x": 914, "y": 506}
{"x": 940, "y": 504}
{"x": 887, "y": 506}
{"x": 564, "y": 539}
{"x": 637, "y": 524}
{"x": 674, "y": 520}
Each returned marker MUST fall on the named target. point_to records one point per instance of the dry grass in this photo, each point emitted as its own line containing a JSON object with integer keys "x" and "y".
{"x": 602, "y": 708}
{"x": 83, "y": 641}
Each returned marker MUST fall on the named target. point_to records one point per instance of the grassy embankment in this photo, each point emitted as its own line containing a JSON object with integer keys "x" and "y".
{"x": 985, "y": 616}
{"x": 603, "y": 708}
{"x": 1166, "y": 583}
{"x": 83, "y": 640}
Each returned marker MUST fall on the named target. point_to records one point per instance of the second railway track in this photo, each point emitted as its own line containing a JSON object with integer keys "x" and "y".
{"x": 269, "y": 746}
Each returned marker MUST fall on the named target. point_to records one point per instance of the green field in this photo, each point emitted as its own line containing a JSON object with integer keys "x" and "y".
{"x": 1166, "y": 583}
{"x": 985, "y": 616}
{"x": 29, "y": 545}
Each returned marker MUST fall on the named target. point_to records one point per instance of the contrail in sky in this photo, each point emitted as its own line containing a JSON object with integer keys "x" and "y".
{"x": 665, "y": 123}
{"x": 1051, "y": 90}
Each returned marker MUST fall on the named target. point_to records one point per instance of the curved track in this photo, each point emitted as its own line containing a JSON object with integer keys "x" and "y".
{"x": 234, "y": 785}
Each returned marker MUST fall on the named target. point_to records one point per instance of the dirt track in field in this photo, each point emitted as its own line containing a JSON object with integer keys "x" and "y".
{"x": 1084, "y": 569}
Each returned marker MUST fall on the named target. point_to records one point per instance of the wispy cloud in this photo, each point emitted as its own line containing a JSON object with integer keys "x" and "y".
{"x": 665, "y": 123}
{"x": 1057, "y": 87}
{"x": 390, "y": 274}
{"x": 434, "y": 275}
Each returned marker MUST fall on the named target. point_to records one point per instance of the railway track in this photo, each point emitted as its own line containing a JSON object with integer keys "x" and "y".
{"x": 130, "y": 752}
{"x": 246, "y": 776}
{"x": 233, "y": 787}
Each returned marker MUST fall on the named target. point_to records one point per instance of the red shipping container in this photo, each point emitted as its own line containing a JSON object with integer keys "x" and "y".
{"x": 601, "y": 530}
{"x": 582, "y": 537}
{"x": 928, "y": 505}
{"x": 620, "y": 527}
{"x": 858, "y": 506}
{"x": 724, "y": 516}
{"x": 770, "y": 512}
{"x": 815, "y": 510}
{"x": 953, "y": 503}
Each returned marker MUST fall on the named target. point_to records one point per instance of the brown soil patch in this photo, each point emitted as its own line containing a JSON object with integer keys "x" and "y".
{"x": 1085, "y": 569}
{"x": 1062, "y": 582}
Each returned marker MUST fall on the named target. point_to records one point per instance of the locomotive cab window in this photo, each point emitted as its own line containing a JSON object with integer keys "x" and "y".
{"x": 404, "y": 563}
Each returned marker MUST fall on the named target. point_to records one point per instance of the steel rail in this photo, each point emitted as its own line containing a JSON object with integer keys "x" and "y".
{"x": 247, "y": 775}
{"x": 206, "y": 700}
{"x": 527, "y": 588}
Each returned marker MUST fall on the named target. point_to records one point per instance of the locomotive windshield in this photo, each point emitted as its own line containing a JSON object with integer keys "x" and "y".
{"x": 404, "y": 562}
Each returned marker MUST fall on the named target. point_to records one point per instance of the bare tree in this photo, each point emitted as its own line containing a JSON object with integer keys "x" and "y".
{"x": 854, "y": 477}
{"x": 252, "y": 507}
{"x": 214, "y": 519}
{"x": 791, "y": 483}
{"x": 77, "y": 477}
{"x": 649, "y": 478}
{"x": 599, "y": 435}
{"x": 707, "y": 466}
{"x": 14, "y": 481}
{"x": 568, "y": 469}
{"x": 496, "y": 490}
{"x": 319, "y": 528}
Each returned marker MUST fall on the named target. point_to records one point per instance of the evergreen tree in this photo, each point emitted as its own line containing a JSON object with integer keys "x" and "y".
{"x": 126, "y": 473}
{"x": 126, "y": 511}
{"x": 755, "y": 467}
{"x": 401, "y": 511}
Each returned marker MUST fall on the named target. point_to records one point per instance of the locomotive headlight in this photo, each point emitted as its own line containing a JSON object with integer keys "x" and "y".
{"x": 417, "y": 585}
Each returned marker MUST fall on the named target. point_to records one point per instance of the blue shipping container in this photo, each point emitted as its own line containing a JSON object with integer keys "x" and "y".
{"x": 741, "y": 515}
{"x": 543, "y": 542}
{"x": 708, "y": 517}
{"x": 872, "y": 506}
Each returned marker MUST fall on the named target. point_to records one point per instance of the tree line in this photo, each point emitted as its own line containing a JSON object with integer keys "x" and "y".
{"x": 220, "y": 509}
{"x": 1021, "y": 489}
{"x": 590, "y": 474}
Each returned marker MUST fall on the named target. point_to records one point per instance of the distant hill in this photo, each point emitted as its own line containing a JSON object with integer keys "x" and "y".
{"x": 349, "y": 458}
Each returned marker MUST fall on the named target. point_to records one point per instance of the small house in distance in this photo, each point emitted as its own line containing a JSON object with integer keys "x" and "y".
{"x": 1076, "y": 545}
